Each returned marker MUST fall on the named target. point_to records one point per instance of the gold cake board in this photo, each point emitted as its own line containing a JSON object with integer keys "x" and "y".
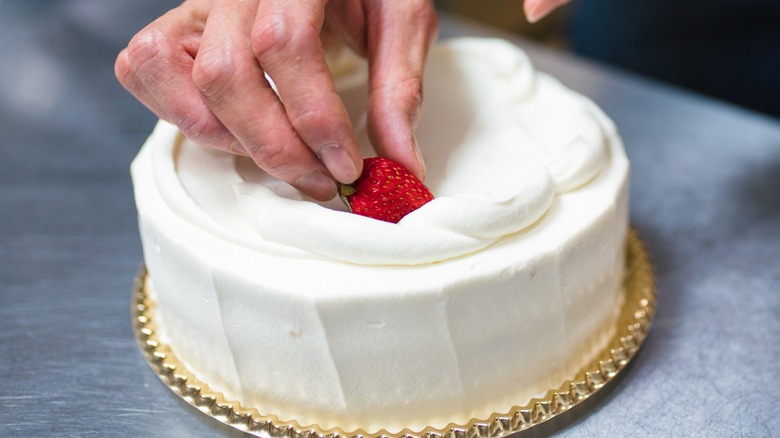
{"x": 559, "y": 407}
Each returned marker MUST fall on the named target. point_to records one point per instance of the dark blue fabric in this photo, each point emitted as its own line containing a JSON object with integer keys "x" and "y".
{"x": 726, "y": 48}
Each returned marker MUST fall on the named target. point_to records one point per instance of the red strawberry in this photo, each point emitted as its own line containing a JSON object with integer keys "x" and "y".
{"x": 384, "y": 191}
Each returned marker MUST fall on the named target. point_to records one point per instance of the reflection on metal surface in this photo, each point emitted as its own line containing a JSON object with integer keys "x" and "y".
{"x": 553, "y": 409}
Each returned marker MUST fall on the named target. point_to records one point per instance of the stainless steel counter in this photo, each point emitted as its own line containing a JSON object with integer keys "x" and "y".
{"x": 705, "y": 197}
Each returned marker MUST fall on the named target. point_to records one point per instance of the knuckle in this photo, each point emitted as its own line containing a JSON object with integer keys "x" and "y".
{"x": 408, "y": 92}
{"x": 269, "y": 156}
{"x": 271, "y": 35}
{"x": 206, "y": 131}
{"x": 198, "y": 129}
{"x": 212, "y": 70}
{"x": 145, "y": 47}
{"x": 313, "y": 116}
{"x": 279, "y": 32}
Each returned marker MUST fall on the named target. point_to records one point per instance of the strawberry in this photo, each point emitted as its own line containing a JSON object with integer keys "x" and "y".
{"x": 385, "y": 190}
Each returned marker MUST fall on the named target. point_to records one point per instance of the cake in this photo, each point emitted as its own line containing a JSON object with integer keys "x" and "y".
{"x": 502, "y": 287}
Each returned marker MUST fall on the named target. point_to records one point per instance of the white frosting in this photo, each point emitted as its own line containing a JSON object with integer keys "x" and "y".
{"x": 484, "y": 297}
{"x": 507, "y": 144}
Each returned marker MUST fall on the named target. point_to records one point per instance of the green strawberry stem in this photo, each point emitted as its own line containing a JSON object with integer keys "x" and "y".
{"x": 346, "y": 190}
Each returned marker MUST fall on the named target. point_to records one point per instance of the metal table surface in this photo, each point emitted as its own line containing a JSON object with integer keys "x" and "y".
{"x": 704, "y": 197}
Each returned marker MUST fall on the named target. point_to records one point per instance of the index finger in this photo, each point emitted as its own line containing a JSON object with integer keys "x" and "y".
{"x": 286, "y": 43}
{"x": 237, "y": 92}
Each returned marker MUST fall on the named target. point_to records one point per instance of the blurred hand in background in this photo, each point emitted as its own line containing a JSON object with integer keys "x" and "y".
{"x": 535, "y": 10}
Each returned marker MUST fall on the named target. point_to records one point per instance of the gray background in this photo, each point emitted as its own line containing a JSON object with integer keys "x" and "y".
{"x": 704, "y": 197}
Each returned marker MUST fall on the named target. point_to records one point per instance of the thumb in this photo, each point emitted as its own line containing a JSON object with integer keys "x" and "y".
{"x": 400, "y": 32}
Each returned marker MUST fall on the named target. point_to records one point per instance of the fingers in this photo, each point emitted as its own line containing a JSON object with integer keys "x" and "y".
{"x": 399, "y": 36}
{"x": 159, "y": 67}
{"x": 535, "y": 10}
{"x": 234, "y": 86}
{"x": 197, "y": 67}
{"x": 156, "y": 67}
{"x": 285, "y": 41}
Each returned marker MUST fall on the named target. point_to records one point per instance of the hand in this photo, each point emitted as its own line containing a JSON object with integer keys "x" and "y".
{"x": 535, "y": 10}
{"x": 201, "y": 66}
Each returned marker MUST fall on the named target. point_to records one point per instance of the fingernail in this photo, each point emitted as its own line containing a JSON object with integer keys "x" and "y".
{"x": 419, "y": 158}
{"x": 338, "y": 162}
{"x": 236, "y": 148}
{"x": 317, "y": 185}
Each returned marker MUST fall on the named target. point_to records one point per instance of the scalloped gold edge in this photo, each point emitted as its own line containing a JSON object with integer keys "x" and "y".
{"x": 633, "y": 325}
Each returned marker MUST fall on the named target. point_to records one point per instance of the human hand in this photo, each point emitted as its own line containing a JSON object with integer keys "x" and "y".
{"x": 201, "y": 66}
{"x": 535, "y": 10}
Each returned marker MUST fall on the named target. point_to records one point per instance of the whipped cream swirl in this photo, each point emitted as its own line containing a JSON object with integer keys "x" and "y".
{"x": 500, "y": 141}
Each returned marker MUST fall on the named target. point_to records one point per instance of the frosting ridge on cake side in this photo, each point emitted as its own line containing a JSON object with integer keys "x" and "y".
{"x": 496, "y": 290}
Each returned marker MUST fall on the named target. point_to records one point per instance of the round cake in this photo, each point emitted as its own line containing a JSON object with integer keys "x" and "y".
{"x": 502, "y": 287}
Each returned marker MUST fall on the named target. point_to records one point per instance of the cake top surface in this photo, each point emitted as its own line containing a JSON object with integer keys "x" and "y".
{"x": 500, "y": 140}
